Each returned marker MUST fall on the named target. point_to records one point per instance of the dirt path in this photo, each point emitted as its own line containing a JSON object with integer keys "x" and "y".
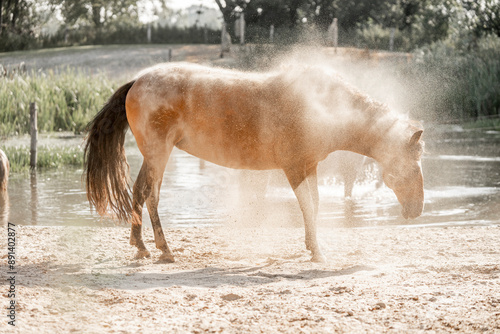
{"x": 83, "y": 279}
{"x": 117, "y": 61}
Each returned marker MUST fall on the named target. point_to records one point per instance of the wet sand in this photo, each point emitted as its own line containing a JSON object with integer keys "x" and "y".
{"x": 238, "y": 280}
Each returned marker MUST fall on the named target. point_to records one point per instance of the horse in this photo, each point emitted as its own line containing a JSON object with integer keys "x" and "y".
{"x": 4, "y": 172}
{"x": 288, "y": 119}
{"x": 347, "y": 166}
{"x": 343, "y": 165}
{"x": 4, "y": 195}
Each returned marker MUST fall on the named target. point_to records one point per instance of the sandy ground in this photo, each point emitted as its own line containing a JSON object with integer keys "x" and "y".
{"x": 239, "y": 280}
{"x": 401, "y": 280}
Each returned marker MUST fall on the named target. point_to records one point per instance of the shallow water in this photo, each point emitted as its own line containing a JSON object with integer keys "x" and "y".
{"x": 462, "y": 187}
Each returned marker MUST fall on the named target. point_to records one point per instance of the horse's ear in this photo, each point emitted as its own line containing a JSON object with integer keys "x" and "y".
{"x": 416, "y": 137}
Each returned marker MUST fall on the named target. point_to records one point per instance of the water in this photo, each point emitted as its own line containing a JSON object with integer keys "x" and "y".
{"x": 462, "y": 187}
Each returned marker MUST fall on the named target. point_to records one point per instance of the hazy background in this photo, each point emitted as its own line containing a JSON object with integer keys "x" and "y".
{"x": 452, "y": 46}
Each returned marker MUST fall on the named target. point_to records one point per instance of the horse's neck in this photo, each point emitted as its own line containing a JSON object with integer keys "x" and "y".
{"x": 373, "y": 134}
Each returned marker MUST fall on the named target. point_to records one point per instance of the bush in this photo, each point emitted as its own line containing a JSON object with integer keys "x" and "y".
{"x": 10, "y": 41}
{"x": 131, "y": 34}
{"x": 376, "y": 36}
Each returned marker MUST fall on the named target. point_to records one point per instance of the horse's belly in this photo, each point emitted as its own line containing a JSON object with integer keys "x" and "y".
{"x": 232, "y": 155}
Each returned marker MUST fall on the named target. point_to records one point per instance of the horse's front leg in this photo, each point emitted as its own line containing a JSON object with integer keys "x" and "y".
{"x": 305, "y": 187}
{"x": 312, "y": 182}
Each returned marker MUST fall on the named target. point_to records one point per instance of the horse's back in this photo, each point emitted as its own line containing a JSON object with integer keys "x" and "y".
{"x": 232, "y": 118}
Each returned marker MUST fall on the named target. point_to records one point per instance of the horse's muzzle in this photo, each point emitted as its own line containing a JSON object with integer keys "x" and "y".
{"x": 412, "y": 210}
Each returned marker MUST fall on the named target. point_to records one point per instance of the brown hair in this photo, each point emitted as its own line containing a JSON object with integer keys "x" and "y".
{"x": 106, "y": 168}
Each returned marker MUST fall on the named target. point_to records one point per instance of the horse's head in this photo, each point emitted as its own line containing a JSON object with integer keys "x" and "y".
{"x": 403, "y": 174}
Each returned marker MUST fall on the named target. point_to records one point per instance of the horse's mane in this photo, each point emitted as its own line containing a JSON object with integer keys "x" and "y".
{"x": 375, "y": 110}
{"x": 324, "y": 75}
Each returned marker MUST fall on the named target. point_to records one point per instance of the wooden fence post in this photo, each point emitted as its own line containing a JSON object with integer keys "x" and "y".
{"x": 242, "y": 29}
{"x": 391, "y": 40}
{"x": 333, "y": 34}
{"x": 34, "y": 134}
{"x": 225, "y": 43}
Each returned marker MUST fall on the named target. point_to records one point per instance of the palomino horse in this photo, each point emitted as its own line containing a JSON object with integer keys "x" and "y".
{"x": 344, "y": 166}
{"x": 4, "y": 195}
{"x": 4, "y": 172}
{"x": 287, "y": 120}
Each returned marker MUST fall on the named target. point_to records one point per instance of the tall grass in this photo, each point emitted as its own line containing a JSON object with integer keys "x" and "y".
{"x": 48, "y": 157}
{"x": 456, "y": 85}
{"x": 66, "y": 100}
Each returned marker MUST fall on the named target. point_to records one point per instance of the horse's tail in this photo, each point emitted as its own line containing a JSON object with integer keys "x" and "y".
{"x": 106, "y": 167}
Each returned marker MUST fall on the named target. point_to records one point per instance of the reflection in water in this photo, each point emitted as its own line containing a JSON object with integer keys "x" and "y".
{"x": 34, "y": 198}
{"x": 459, "y": 189}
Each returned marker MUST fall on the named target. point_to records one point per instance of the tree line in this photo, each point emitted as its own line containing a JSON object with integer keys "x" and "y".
{"x": 363, "y": 23}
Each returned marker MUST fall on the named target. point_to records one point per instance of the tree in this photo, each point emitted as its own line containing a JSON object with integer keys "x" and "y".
{"x": 325, "y": 11}
{"x": 18, "y": 20}
{"x": 1, "y": 17}
{"x": 97, "y": 13}
{"x": 14, "y": 14}
{"x": 293, "y": 7}
{"x": 484, "y": 16}
{"x": 97, "y": 16}
{"x": 231, "y": 10}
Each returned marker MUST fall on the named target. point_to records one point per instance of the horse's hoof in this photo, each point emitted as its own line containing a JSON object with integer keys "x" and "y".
{"x": 141, "y": 254}
{"x": 318, "y": 258}
{"x": 166, "y": 258}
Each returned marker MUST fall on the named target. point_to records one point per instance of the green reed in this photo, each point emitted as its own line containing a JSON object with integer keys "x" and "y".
{"x": 48, "y": 157}
{"x": 457, "y": 85}
{"x": 66, "y": 100}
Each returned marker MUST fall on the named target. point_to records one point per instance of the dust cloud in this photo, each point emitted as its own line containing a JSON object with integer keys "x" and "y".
{"x": 264, "y": 199}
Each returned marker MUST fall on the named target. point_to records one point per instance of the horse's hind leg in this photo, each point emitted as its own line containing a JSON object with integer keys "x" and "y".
{"x": 155, "y": 165}
{"x": 152, "y": 203}
{"x": 147, "y": 189}
{"x": 141, "y": 192}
